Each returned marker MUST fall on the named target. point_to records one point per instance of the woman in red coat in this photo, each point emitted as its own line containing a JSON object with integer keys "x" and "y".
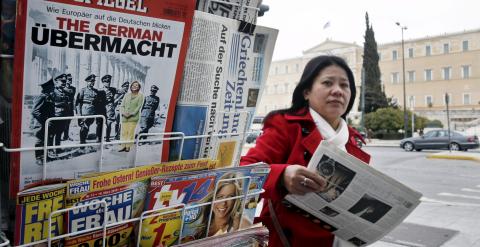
{"x": 320, "y": 103}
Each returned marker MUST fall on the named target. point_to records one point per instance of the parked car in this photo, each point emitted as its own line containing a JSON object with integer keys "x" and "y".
{"x": 252, "y": 137}
{"x": 438, "y": 139}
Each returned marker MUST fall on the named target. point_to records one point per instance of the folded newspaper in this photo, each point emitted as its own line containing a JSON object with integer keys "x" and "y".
{"x": 359, "y": 204}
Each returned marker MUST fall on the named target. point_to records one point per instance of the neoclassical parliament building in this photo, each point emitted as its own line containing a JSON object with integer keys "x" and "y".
{"x": 434, "y": 66}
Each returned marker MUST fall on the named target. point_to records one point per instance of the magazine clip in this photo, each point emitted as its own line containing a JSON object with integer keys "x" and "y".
{"x": 46, "y": 147}
{"x": 163, "y": 136}
{"x": 247, "y": 27}
{"x": 4, "y": 240}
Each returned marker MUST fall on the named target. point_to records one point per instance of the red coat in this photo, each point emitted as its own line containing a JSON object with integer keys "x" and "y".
{"x": 289, "y": 139}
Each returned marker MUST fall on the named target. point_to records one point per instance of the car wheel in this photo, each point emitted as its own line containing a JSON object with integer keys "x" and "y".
{"x": 408, "y": 146}
{"x": 454, "y": 146}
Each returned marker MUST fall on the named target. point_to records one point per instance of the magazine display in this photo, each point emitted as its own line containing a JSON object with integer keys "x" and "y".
{"x": 33, "y": 208}
{"x": 197, "y": 190}
{"x": 225, "y": 71}
{"x": 81, "y": 58}
{"x": 359, "y": 204}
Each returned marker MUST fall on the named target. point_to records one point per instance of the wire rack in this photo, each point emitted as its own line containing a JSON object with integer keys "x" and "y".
{"x": 152, "y": 137}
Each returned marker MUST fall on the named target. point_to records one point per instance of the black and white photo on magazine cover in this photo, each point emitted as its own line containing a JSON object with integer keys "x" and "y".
{"x": 370, "y": 208}
{"x": 337, "y": 176}
{"x": 62, "y": 78}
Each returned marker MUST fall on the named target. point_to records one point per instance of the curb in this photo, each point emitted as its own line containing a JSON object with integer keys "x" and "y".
{"x": 453, "y": 157}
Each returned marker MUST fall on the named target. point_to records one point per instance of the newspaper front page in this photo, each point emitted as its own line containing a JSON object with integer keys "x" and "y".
{"x": 359, "y": 204}
{"x": 225, "y": 72}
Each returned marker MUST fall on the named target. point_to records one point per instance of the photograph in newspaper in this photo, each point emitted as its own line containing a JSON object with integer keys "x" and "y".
{"x": 224, "y": 75}
{"x": 369, "y": 208}
{"x": 82, "y": 58}
{"x": 337, "y": 177}
{"x": 359, "y": 203}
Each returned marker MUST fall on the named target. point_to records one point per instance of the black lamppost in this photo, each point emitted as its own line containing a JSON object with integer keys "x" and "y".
{"x": 405, "y": 116}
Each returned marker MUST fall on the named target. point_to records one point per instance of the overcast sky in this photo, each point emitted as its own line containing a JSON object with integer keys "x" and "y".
{"x": 301, "y": 22}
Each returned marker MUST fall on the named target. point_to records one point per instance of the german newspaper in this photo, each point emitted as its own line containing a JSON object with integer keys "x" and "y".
{"x": 359, "y": 204}
{"x": 224, "y": 74}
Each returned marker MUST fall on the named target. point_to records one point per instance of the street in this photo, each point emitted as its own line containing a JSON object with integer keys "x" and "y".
{"x": 449, "y": 214}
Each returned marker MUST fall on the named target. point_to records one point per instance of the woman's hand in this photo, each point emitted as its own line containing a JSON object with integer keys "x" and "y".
{"x": 299, "y": 180}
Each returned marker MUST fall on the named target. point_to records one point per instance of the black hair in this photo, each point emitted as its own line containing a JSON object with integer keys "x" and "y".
{"x": 312, "y": 69}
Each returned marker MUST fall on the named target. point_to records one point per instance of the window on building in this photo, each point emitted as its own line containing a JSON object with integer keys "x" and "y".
{"x": 446, "y": 48}
{"x": 429, "y": 100}
{"x": 447, "y": 73}
{"x": 465, "y": 71}
{"x": 286, "y": 69}
{"x": 410, "y": 52}
{"x": 428, "y": 50}
{"x": 275, "y": 89}
{"x": 394, "y": 55}
{"x": 276, "y": 70}
{"x": 395, "y": 78}
{"x": 466, "y": 99}
{"x": 297, "y": 67}
{"x": 428, "y": 75}
{"x": 411, "y": 76}
{"x": 465, "y": 45}
{"x": 379, "y": 56}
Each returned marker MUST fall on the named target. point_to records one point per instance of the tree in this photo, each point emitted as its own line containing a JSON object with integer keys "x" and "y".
{"x": 374, "y": 96}
{"x": 390, "y": 120}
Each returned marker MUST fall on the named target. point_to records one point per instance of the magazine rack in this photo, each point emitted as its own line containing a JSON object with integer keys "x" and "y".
{"x": 145, "y": 215}
{"x": 164, "y": 136}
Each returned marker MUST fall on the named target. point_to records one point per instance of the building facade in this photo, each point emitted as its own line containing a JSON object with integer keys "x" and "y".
{"x": 435, "y": 66}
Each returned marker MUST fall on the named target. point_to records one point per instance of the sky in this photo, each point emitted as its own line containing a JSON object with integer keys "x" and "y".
{"x": 300, "y": 22}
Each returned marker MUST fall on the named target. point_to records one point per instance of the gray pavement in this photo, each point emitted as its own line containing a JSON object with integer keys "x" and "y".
{"x": 435, "y": 222}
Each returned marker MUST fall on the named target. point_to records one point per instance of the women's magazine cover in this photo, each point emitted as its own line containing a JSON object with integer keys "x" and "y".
{"x": 234, "y": 190}
{"x": 123, "y": 202}
{"x": 122, "y": 60}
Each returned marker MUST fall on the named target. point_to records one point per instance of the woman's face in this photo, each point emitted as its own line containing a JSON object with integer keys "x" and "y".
{"x": 224, "y": 208}
{"x": 135, "y": 87}
{"x": 330, "y": 93}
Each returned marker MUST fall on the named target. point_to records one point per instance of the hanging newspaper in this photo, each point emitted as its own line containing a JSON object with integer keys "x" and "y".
{"x": 225, "y": 72}
{"x": 359, "y": 204}
{"x": 243, "y": 10}
{"x": 83, "y": 57}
